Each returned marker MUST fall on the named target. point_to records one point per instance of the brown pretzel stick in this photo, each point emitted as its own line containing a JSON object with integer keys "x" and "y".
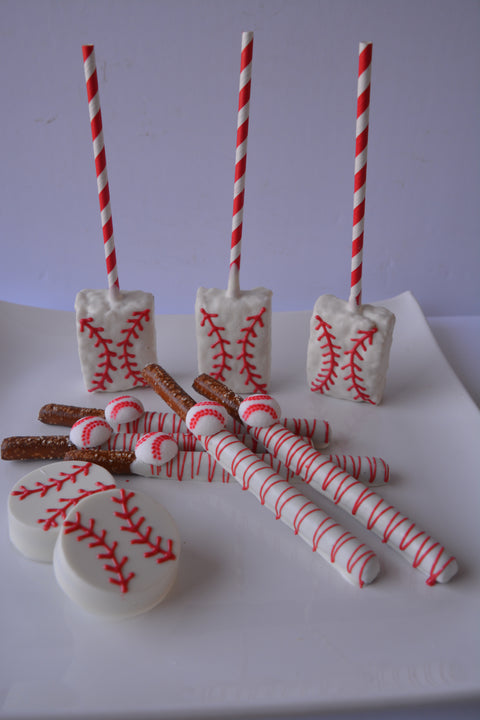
{"x": 44, "y": 447}
{"x": 214, "y": 390}
{"x": 117, "y": 462}
{"x": 66, "y": 415}
{"x": 169, "y": 390}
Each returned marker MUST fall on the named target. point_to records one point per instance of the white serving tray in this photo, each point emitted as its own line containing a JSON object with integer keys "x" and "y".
{"x": 256, "y": 623}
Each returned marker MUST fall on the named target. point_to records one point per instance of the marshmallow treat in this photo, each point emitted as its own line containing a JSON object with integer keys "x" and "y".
{"x": 117, "y": 554}
{"x": 39, "y": 502}
{"x": 116, "y": 337}
{"x": 234, "y": 337}
{"x": 349, "y": 349}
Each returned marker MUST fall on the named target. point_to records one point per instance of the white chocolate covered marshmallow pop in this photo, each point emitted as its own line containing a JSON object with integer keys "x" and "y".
{"x": 349, "y": 344}
{"x": 233, "y": 326}
{"x": 115, "y": 329}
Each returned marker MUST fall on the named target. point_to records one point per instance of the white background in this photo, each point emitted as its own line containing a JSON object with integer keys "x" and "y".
{"x": 168, "y": 74}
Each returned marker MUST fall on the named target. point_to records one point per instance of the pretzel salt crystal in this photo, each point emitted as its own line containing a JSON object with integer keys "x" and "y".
{"x": 369, "y": 508}
{"x": 353, "y": 559}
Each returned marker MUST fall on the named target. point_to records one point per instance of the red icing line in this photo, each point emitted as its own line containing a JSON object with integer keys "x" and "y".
{"x": 109, "y": 551}
{"x": 354, "y": 364}
{"x": 53, "y": 483}
{"x": 246, "y": 412}
{"x": 87, "y": 429}
{"x": 122, "y": 402}
{"x": 128, "y": 357}
{"x": 327, "y": 376}
{"x": 106, "y": 367}
{"x": 219, "y": 368}
{"x": 142, "y": 536}
{"x": 205, "y": 412}
{"x": 246, "y": 342}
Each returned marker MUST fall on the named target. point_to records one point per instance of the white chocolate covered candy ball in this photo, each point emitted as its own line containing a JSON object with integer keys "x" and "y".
{"x": 89, "y": 432}
{"x": 259, "y": 411}
{"x": 123, "y": 409}
{"x": 206, "y": 418}
{"x": 40, "y": 501}
{"x": 117, "y": 554}
{"x": 155, "y": 448}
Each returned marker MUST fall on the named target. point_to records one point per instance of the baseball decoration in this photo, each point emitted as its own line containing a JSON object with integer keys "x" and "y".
{"x": 115, "y": 330}
{"x": 40, "y": 501}
{"x": 259, "y": 411}
{"x": 155, "y": 448}
{"x": 90, "y": 432}
{"x": 117, "y": 554}
{"x": 349, "y": 344}
{"x": 123, "y": 409}
{"x": 233, "y": 326}
{"x": 206, "y": 418}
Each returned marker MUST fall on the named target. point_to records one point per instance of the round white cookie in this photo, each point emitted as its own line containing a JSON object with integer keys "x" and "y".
{"x": 89, "y": 432}
{"x": 39, "y": 502}
{"x": 117, "y": 554}
{"x": 123, "y": 409}
{"x": 259, "y": 411}
{"x": 206, "y": 418}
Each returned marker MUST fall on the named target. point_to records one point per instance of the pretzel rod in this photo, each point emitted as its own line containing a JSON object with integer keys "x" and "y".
{"x": 371, "y": 470}
{"x": 43, "y": 447}
{"x": 354, "y": 560}
{"x": 318, "y": 432}
{"x": 369, "y": 508}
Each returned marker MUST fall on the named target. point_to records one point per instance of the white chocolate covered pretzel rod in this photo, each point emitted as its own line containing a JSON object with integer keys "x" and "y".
{"x": 317, "y": 431}
{"x": 353, "y": 496}
{"x": 55, "y": 447}
{"x": 351, "y": 558}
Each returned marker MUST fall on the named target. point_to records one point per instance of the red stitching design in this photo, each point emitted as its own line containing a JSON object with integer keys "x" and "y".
{"x": 143, "y": 536}
{"x": 246, "y": 342}
{"x": 53, "y": 483}
{"x": 135, "y": 328}
{"x": 354, "y": 364}
{"x": 326, "y": 377}
{"x": 109, "y": 551}
{"x": 107, "y": 366}
{"x": 218, "y": 368}
{"x": 67, "y": 503}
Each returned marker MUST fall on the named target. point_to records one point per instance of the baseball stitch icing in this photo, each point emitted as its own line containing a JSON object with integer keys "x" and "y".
{"x": 353, "y": 496}
{"x": 40, "y": 501}
{"x": 117, "y": 554}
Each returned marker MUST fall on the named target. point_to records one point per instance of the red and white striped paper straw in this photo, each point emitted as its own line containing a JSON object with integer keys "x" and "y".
{"x": 361, "y": 147}
{"x": 90, "y": 68}
{"x": 240, "y": 161}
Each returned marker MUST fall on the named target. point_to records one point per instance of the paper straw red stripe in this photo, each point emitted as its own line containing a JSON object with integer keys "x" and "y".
{"x": 241, "y": 152}
{"x": 361, "y": 148}
{"x": 96, "y": 125}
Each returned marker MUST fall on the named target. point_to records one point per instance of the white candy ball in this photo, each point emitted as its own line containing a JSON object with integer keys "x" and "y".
{"x": 206, "y": 418}
{"x": 259, "y": 411}
{"x": 123, "y": 409}
{"x": 90, "y": 432}
{"x": 156, "y": 448}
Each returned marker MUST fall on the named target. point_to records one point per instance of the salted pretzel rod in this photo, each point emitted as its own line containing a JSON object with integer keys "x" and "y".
{"x": 351, "y": 558}
{"x": 318, "y": 432}
{"x": 353, "y": 496}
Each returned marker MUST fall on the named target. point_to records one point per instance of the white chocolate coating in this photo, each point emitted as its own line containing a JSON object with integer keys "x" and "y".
{"x": 117, "y": 554}
{"x": 89, "y": 432}
{"x": 206, "y": 418}
{"x": 360, "y": 501}
{"x": 116, "y": 338}
{"x": 156, "y": 447}
{"x": 351, "y": 558}
{"x": 349, "y": 349}
{"x": 39, "y": 502}
{"x": 259, "y": 410}
{"x": 123, "y": 409}
{"x": 234, "y": 337}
